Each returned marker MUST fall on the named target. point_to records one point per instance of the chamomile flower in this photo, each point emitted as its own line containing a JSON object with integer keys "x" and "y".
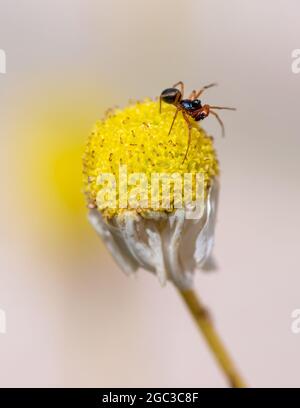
{"x": 165, "y": 241}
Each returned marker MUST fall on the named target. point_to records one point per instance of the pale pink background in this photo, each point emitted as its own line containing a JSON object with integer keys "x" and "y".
{"x": 73, "y": 318}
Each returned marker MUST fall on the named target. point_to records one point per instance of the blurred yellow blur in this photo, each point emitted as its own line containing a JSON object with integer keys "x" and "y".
{"x": 50, "y": 159}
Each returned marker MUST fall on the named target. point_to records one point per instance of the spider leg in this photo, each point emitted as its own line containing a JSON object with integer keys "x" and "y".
{"x": 220, "y": 121}
{"x": 192, "y": 95}
{"x": 181, "y": 85}
{"x": 222, "y": 107}
{"x": 218, "y": 117}
{"x": 196, "y": 94}
{"x": 190, "y": 134}
{"x": 175, "y": 116}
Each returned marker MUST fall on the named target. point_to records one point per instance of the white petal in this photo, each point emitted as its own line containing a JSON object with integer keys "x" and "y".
{"x": 205, "y": 239}
{"x": 178, "y": 274}
{"x": 132, "y": 231}
{"x": 158, "y": 262}
{"x": 115, "y": 244}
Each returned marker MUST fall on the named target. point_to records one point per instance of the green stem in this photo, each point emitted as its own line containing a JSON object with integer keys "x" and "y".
{"x": 204, "y": 323}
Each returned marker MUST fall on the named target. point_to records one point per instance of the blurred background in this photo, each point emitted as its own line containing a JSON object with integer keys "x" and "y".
{"x": 73, "y": 318}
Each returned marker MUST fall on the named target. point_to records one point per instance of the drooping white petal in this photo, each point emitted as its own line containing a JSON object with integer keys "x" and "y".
{"x": 137, "y": 247}
{"x": 205, "y": 239}
{"x": 177, "y": 271}
{"x": 114, "y": 243}
{"x": 156, "y": 246}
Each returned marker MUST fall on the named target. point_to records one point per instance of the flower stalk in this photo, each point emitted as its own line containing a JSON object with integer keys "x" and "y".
{"x": 206, "y": 327}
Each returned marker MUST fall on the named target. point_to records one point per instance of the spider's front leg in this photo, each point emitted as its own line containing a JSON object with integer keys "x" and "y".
{"x": 186, "y": 118}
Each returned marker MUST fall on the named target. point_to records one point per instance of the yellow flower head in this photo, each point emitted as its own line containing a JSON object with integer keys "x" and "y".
{"x": 138, "y": 137}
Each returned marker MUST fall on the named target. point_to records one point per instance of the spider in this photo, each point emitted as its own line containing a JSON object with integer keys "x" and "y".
{"x": 191, "y": 107}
